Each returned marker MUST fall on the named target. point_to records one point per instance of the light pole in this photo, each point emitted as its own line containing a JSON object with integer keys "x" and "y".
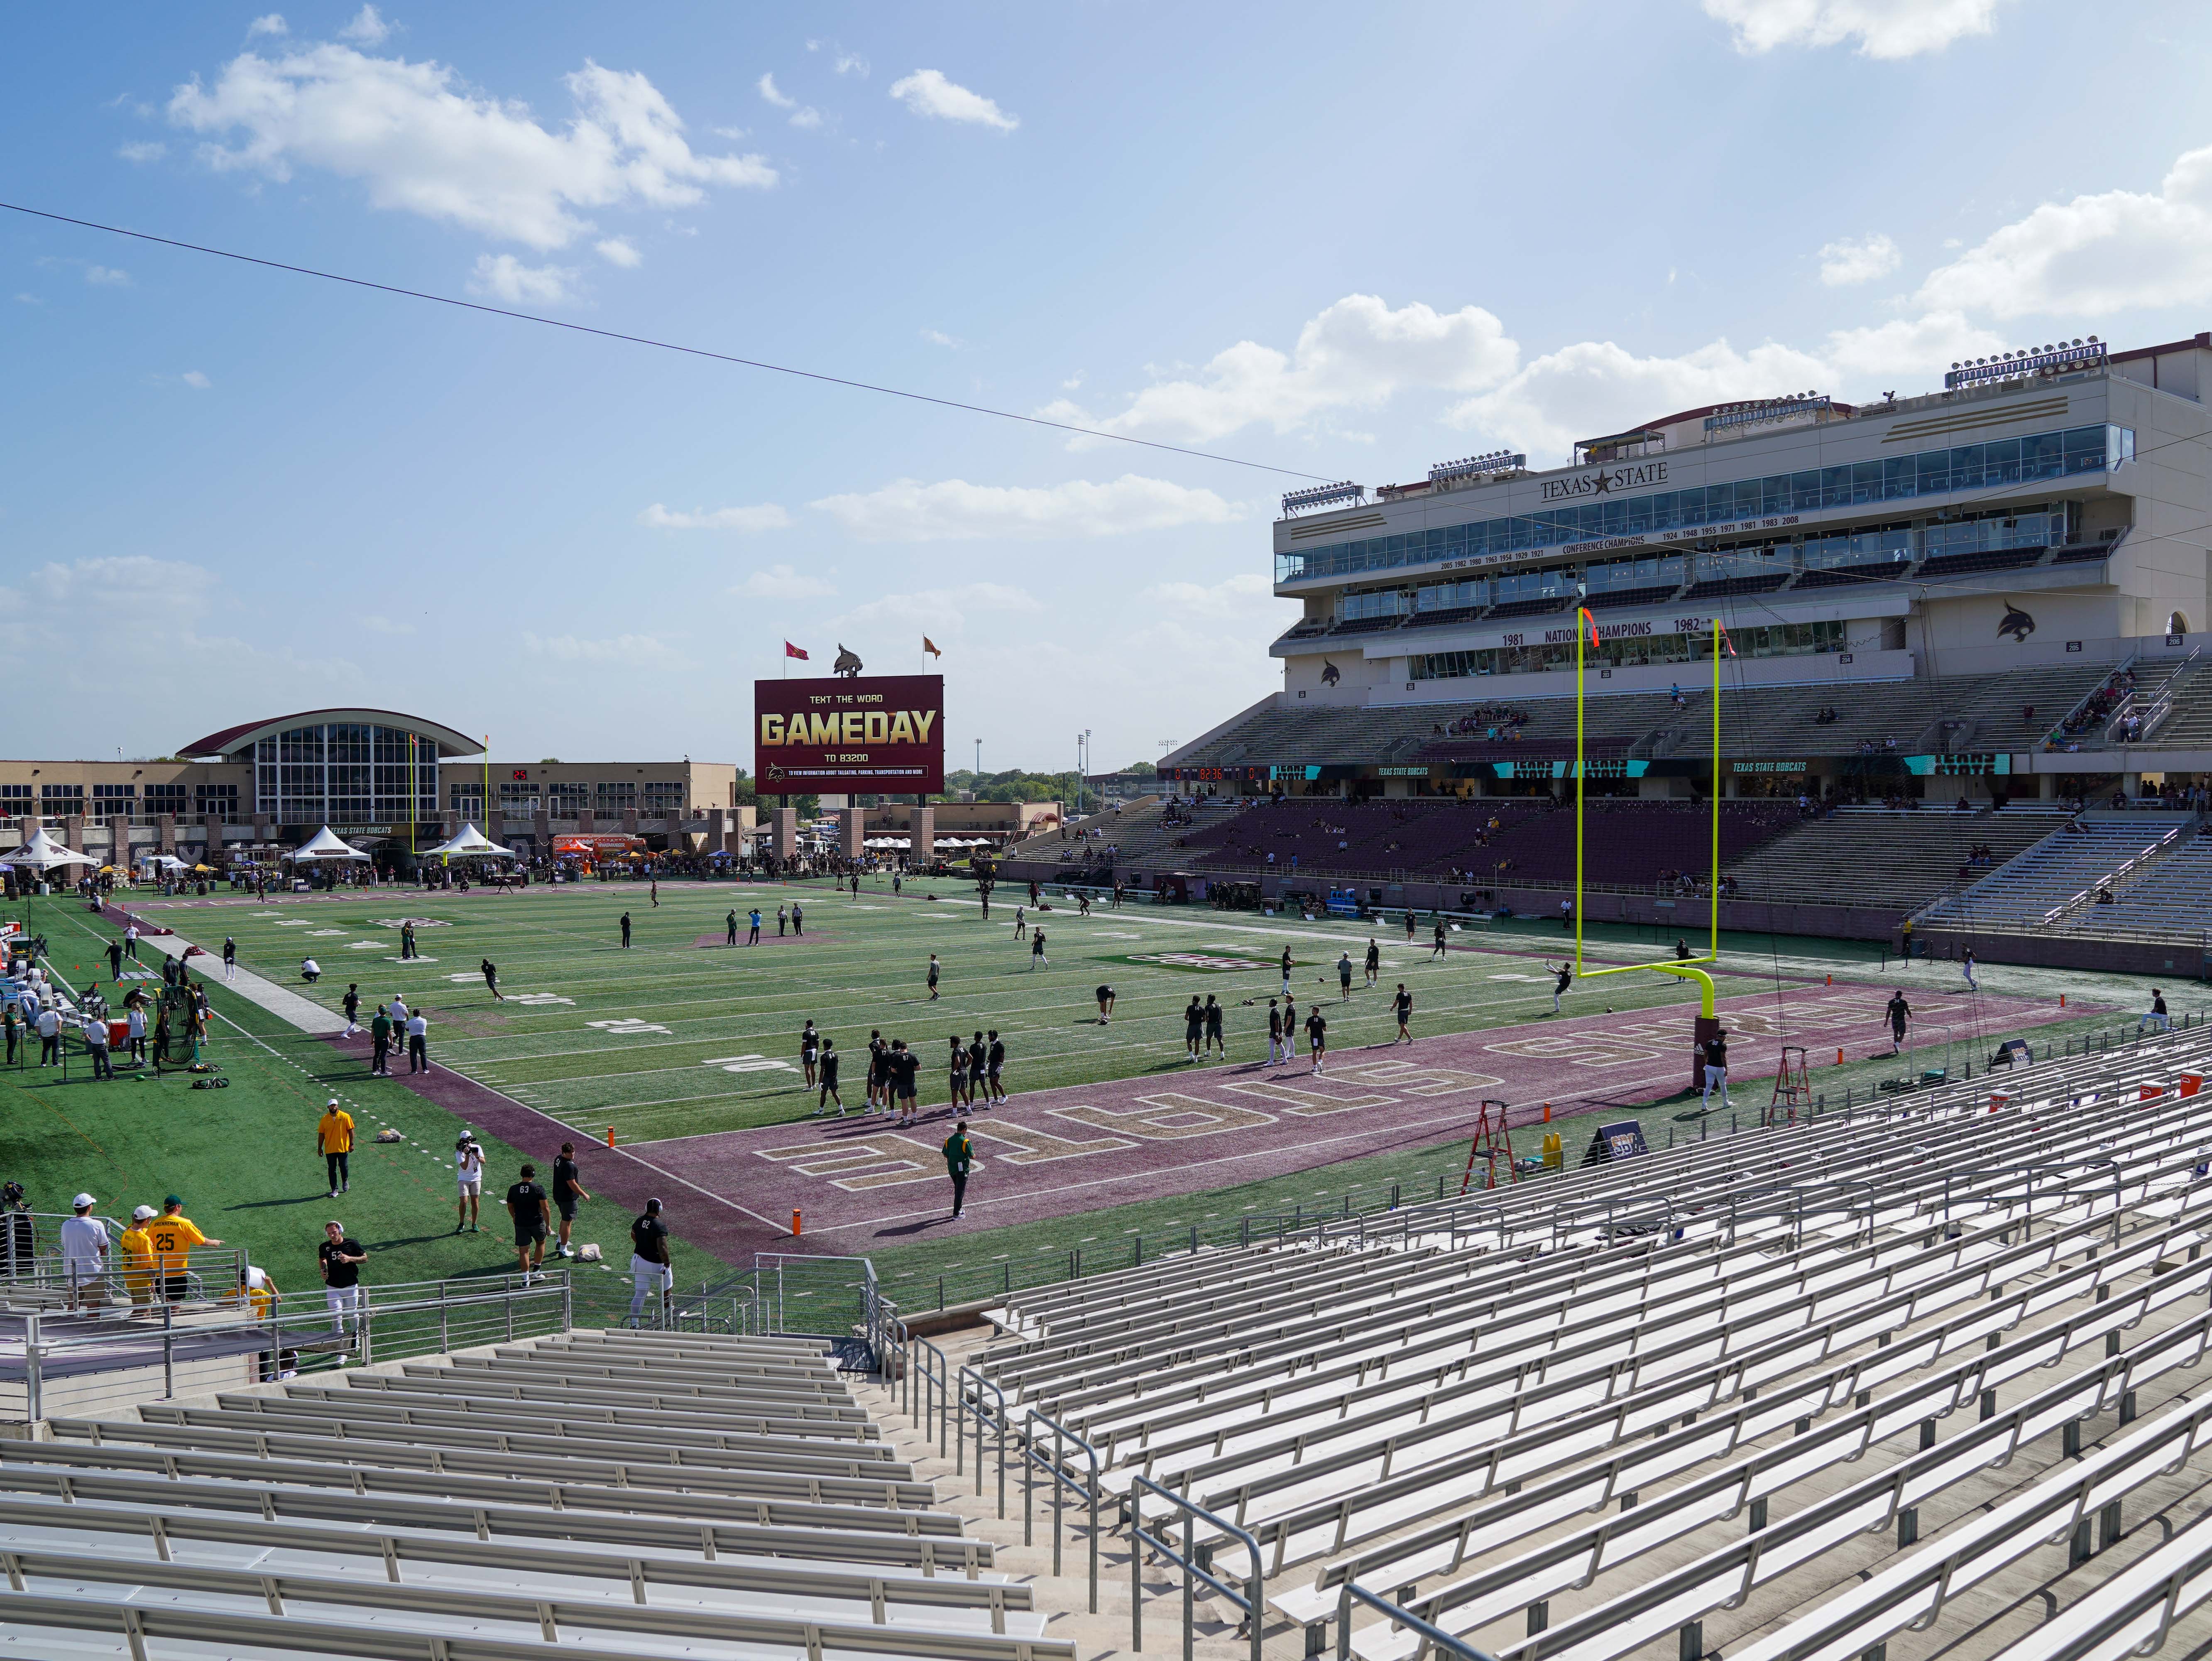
{"x": 979, "y": 761}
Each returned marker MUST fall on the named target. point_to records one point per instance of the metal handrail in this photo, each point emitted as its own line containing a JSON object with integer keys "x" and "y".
{"x": 1435, "y": 1638}
{"x": 1250, "y": 1600}
{"x": 981, "y": 1417}
{"x": 1060, "y": 1480}
{"x": 940, "y": 1381}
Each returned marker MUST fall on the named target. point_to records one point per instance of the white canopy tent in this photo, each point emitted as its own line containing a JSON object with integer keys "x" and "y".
{"x": 165, "y": 862}
{"x": 43, "y": 853}
{"x": 325, "y": 844}
{"x": 466, "y": 843}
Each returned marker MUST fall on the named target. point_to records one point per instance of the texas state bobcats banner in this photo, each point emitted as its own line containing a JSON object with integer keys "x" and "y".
{"x": 882, "y": 734}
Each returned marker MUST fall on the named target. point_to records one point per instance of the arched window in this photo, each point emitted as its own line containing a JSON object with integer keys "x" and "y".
{"x": 2176, "y": 624}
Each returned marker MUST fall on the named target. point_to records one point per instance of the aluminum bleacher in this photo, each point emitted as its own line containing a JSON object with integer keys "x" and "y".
{"x": 2060, "y": 874}
{"x": 638, "y": 1494}
{"x": 1705, "y": 1401}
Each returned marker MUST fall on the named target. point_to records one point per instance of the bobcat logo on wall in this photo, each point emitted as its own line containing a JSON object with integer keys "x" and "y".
{"x": 2016, "y": 622}
{"x": 848, "y": 662}
{"x": 1330, "y": 674}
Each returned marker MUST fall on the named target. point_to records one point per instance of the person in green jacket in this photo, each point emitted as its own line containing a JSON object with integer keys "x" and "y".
{"x": 959, "y": 1155}
{"x": 380, "y": 1044}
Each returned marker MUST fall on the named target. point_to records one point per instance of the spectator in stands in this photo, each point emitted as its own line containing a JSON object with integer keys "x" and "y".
{"x": 2153, "y": 1018}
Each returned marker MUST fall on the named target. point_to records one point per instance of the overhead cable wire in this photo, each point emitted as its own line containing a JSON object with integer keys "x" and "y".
{"x": 658, "y": 346}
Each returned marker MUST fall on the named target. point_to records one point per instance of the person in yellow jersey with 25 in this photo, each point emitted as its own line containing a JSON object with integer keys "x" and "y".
{"x": 135, "y": 1243}
{"x": 174, "y": 1236}
{"x": 334, "y": 1141}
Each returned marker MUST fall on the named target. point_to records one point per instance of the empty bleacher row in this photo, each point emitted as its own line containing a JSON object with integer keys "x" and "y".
{"x": 1915, "y": 854}
{"x": 2056, "y": 881}
{"x": 639, "y": 1494}
{"x": 1683, "y": 1398}
{"x": 1514, "y": 839}
{"x": 2011, "y": 711}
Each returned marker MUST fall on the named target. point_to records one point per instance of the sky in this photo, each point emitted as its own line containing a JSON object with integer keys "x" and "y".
{"x": 1345, "y": 243}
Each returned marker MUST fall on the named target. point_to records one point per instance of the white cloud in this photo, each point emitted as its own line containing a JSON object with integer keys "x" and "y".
{"x": 1881, "y": 28}
{"x": 767, "y": 516}
{"x": 1238, "y": 598}
{"x": 194, "y": 379}
{"x": 774, "y": 94}
{"x": 620, "y": 251}
{"x": 782, "y": 583}
{"x": 29, "y": 299}
{"x": 939, "y": 338}
{"x": 424, "y": 141}
{"x": 848, "y": 64}
{"x": 1843, "y": 262}
{"x": 955, "y": 510}
{"x": 810, "y": 117}
{"x": 133, "y": 584}
{"x": 503, "y": 276}
{"x": 367, "y": 28}
{"x": 147, "y": 152}
{"x": 1597, "y": 386}
{"x": 2094, "y": 255}
{"x": 379, "y": 624}
{"x": 732, "y": 134}
{"x": 631, "y": 651}
{"x": 927, "y": 93}
{"x": 267, "y": 23}
{"x": 1353, "y": 356}
{"x": 107, "y": 277}
{"x": 941, "y": 611}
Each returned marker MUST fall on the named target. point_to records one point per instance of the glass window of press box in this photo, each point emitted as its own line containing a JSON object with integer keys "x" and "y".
{"x": 345, "y": 773}
{"x": 1996, "y": 464}
{"x": 1772, "y": 639}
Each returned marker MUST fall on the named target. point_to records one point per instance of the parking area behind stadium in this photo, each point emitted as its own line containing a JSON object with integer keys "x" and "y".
{"x": 688, "y": 1050}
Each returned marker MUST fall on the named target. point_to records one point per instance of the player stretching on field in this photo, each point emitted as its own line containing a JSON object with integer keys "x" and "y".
{"x": 1565, "y": 972}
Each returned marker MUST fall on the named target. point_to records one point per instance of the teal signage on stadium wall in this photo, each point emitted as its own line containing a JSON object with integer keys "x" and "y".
{"x": 1565, "y": 770}
{"x": 1964, "y": 764}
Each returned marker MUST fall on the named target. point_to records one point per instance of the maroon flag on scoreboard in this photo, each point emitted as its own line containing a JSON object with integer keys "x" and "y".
{"x": 791, "y": 651}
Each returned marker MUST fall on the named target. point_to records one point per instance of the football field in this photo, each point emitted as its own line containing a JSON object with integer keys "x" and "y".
{"x": 681, "y": 1035}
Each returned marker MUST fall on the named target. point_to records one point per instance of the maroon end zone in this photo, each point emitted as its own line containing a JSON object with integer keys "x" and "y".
{"x": 1052, "y": 1152}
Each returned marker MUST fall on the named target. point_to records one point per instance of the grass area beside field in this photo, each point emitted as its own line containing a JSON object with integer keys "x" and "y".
{"x": 244, "y": 1158}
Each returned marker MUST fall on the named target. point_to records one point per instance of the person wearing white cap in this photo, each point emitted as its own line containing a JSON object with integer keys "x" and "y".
{"x": 137, "y": 1249}
{"x": 84, "y": 1250}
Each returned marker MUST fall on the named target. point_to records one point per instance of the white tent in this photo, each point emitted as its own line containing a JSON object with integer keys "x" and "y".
{"x": 43, "y": 853}
{"x": 467, "y": 841}
{"x": 325, "y": 844}
{"x": 165, "y": 861}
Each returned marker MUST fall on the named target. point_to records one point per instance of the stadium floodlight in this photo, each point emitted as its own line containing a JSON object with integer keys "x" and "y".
{"x": 1766, "y": 409}
{"x": 1323, "y": 496}
{"x": 1496, "y": 462}
{"x": 2027, "y": 360}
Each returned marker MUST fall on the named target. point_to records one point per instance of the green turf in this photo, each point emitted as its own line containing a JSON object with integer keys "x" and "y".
{"x": 245, "y": 1158}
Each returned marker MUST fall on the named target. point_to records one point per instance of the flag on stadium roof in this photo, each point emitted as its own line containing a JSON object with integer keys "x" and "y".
{"x": 930, "y": 647}
{"x": 791, "y": 651}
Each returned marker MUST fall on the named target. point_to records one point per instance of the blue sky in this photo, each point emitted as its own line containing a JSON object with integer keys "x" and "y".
{"x": 1349, "y": 242}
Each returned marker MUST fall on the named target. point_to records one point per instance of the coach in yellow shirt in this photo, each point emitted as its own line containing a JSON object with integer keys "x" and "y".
{"x": 136, "y": 1245}
{"x": 334, "y": 1141}
{"x": 174, "y": 1236}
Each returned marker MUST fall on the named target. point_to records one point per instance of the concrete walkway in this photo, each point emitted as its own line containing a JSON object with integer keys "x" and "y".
{"x": 288, "y": 1006}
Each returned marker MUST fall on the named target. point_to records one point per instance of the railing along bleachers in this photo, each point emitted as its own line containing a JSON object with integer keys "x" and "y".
{"x": 1552, "y": 1419}
{"x": 2035, "y": 889}
{"x": 635, "y": 1494}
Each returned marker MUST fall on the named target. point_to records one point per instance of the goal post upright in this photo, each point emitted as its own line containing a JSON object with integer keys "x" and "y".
{"x": 1691, "y": 968}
